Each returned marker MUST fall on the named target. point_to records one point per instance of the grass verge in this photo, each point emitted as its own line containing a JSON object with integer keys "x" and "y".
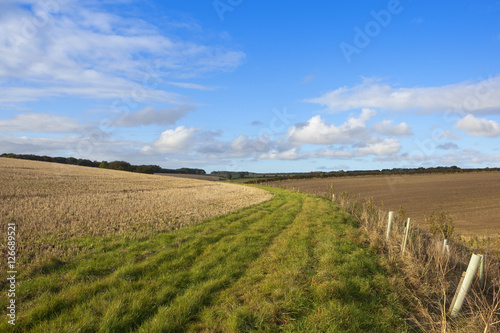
{"x": 294, "y": 263}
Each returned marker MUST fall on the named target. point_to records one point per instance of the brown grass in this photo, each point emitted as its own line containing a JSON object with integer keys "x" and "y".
{"x": 426, "y": 277}
{"x": 52, "y": 202}
{"x": 472, "y": 199}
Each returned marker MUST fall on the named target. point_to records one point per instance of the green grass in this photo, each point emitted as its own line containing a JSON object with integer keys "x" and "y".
{"x": 294, "y": 263}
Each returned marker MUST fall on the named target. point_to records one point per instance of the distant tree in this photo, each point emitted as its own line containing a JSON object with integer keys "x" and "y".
{"x": 85, "y": 162}
{"x": 104, "y": 165}
{"x": 120, "y": 165}
{"x": 62, "y": 160}
{"x": 191, "y": 171}
{"x": 150, "y": 169}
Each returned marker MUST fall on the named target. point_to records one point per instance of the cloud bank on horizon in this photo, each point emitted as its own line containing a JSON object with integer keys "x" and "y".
{"x": 193, "y": 86}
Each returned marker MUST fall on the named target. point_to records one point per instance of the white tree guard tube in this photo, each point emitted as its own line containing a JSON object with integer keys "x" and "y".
{"x": 405, "y": 241}
{"x": 469, "y": 277}
{"x": 481, "y": 272}
{"x": 389, "y": 224}
{"x": 444, "y": 246}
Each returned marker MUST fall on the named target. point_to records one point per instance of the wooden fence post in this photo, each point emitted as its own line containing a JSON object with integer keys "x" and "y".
{"x": 405, "y": 240}
{"x": 464, "y": 288}
{"x": 389, "y": 224}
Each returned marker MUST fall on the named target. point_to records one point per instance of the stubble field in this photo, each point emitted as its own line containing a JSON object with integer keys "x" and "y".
{"x": 53, "y": 204}
{"x": 190, "y": 176}
{"x": 472, "y": 199}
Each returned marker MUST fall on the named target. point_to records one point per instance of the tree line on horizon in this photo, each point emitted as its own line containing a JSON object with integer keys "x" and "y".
{"x": 259, "y": 177}
{"x": 353, "y": 173}
{"x": 115, "y": 165}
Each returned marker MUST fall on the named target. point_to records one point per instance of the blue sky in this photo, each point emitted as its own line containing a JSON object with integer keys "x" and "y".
{"x": 264, "y": 86}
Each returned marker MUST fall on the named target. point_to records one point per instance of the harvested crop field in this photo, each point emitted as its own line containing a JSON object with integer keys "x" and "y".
{"x": 51, "y": 203}
{"x": 191, "y": 176}
{"x": 472, "y": 199}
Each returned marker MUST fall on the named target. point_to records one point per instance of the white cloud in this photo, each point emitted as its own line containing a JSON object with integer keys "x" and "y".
{"x": 180, "y": 139}
{"x": 274, "y": 154}
{"x": 48, "y": 146}
{"x": 447, "y": 134}
{"x": 380, "y": 147}
{"x": 351, "y": 139}
{"x": 334, "y": 153}
{"x": 317, "y": 131}
{"x": 386, "y": 127}
{"x": 481, "y": 97}
{"x": 126, "y": 94}
{"x": 195, "y": 142}
{"x": 244, "y": 144}
{"x": 78, "y": 50}
{"x": 478, "y": 126}
{"x": 386, "y": 147}
{"x": 40, "y": 123}
{"x": 150, "y": 116}
{"x": 188, "y": 85}
{"x": 93, "y": 148}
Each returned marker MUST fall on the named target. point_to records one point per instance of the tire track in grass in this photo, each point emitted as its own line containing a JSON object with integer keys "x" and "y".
{"x": 350, "y": 289}
{"x": 195, "y": 259}
{"x": 224, "y": 261}
{"x": 275, "y": 289}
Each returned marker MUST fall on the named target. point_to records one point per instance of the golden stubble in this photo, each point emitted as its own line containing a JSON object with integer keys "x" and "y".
{"x": 51, "y": 203}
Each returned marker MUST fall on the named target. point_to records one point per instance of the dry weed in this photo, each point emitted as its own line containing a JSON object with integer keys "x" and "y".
{"x": 428, "y": 275}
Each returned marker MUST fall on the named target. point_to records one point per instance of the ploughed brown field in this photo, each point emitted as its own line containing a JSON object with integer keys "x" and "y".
{"x": 472, "y": 199}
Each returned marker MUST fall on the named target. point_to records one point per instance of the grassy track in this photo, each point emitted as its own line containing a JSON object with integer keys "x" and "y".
{"x": 291, "y": 264}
